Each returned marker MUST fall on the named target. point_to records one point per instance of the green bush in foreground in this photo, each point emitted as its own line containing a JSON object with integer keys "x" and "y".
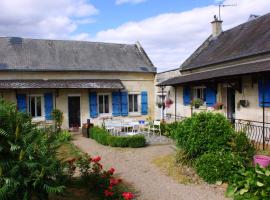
{"x": 28, "y": 165}
{"x": 250, "y": 184}
{"x": 103, "y": 137}
{"x": 218, "y": 166}
{"x": 204, "y": 132}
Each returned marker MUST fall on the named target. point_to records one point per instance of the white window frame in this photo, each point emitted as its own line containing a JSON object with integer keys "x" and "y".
{"x": 138, "y": 101}
{"x": 42, "y": 117}
{"x": 110, "y": 103}
{"x": 195, "y": 90}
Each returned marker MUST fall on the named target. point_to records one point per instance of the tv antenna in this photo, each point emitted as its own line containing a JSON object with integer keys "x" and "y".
{"x": 221, "y": 5}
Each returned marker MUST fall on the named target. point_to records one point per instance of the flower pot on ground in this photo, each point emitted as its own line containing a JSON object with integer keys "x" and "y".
{"x": 197, "y": 103}
{"x": 262, "y": 160}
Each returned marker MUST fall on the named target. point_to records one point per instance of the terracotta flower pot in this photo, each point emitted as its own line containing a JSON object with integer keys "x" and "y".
{"x": 261, "y": 160}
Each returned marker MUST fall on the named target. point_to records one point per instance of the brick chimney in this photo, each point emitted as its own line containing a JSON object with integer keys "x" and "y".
{"x": 216, "y": 27}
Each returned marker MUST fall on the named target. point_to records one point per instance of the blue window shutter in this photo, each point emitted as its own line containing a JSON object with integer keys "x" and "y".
{"x": 21, "y": 102}
{"x": 266, "y": 94}
{"x": 116, "y": 104}
{"x": 144, "y": 103}
{"x": 124, "y": 101}
{"x": 48, "y": 104}
{"x": 93, "y": 104}
{"x": 186, "y": 96}
{"x": 211, "y": 96}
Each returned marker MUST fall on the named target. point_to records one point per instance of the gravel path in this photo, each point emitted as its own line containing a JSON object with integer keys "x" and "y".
{"x": 134, "y": 165}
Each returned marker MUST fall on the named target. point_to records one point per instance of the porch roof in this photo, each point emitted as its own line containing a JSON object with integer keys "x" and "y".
{"x": 228, "y": 72}
{"x": 55, "y": 84}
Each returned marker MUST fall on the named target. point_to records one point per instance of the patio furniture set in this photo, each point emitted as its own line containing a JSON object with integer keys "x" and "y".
{"x": 129, "y": 127}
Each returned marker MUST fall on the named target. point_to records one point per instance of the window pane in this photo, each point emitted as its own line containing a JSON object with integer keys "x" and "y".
{"x": 100, "y": 103}
{"x": 38, "y": 106}
{"x": 198, "y": 93}
{"x": 106, "y": 101}
{"x": 32, "y": 106}
{"x": 130, "y": 103}
{"x": 135, "y": 103}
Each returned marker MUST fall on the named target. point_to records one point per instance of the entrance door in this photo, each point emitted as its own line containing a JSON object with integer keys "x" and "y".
{"x": 74, "y": 111}
{"x": 231, "y": 104}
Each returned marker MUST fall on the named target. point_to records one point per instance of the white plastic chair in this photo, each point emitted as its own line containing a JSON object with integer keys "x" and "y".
{"x": 155, "y": 127}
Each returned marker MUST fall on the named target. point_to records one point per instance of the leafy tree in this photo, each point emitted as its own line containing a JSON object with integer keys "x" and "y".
{"x": 28, "y": 164}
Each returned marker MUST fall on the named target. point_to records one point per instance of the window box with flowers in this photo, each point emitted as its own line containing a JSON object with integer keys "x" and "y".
{"x": 197, "y": 103}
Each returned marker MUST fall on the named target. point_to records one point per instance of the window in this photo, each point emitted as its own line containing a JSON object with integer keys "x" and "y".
{"x": 103, "y": 103}
{"x": 133, "y": 102}
{"x": 35, "y": 106}
{"x": 199, "y": 93}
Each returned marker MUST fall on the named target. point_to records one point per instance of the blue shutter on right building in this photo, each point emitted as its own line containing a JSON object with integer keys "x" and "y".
{"x": 116, "y": 104}
{"x": 186, "y": 96}
{"x": 266, "y": 93}
{"x": 93, "y": 104}
{"x": 124, "y": 103}
{"x": 21, "y": 102}
{"x": 144, "y": 103}
{"x": 210, "y": 96}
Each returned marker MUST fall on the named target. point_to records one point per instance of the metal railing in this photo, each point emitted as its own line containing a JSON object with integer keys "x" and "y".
{"x": 258, "y": 134}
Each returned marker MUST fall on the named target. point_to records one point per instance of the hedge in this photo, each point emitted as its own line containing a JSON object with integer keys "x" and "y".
{"x": 105, "y": 138}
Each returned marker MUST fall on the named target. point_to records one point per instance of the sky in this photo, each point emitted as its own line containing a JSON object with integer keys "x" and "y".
{"x": 169, "y": 30}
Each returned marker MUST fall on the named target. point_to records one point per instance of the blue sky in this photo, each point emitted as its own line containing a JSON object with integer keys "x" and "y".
{"x": 169, "y": 30}
{"x": 112, "y": 15}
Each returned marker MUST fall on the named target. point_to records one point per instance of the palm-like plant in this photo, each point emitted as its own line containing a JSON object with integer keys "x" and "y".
{"x": 28, "y": 165}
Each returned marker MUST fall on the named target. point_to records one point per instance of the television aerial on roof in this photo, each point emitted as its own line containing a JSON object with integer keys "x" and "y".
{"x": 221, "y": 5}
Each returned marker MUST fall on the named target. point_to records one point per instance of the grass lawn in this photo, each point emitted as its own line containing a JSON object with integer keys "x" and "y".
{"x": 180, "y": 173}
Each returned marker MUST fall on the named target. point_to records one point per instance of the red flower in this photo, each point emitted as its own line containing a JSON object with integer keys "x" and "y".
{"x": 127, "y": 195}
{"x": 108, "y": 193}
{"x": 114, "y": 181}
{"x": 111, "y": 171}
{"x": 96, "y": 159}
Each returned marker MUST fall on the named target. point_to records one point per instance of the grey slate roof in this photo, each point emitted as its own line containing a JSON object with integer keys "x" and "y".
{"x": 19, "y": 54}
{"x": 250, "y": 38}
{"x": 242, "y": 69}
{"x": 74, "y": 84}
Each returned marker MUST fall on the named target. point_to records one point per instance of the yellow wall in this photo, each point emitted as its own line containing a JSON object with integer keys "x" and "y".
{"x": 133, "y": 82}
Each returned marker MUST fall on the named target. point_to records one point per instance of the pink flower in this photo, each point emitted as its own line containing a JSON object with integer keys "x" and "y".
{"x": 127, "y": 195}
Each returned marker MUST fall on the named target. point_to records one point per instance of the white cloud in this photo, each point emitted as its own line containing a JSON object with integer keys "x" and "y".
{"x": 44, "y": 19}
{"x": 119, "y": 2}
{"x": 170, "y": 38}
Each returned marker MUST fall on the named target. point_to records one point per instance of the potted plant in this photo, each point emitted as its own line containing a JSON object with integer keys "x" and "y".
{"x": 244, "y": 103}
{"x": 160, "y": 104}
{"x": 197, "y": 103}
{"x": 218, "y": 106}
{"x": 168, "y": 102}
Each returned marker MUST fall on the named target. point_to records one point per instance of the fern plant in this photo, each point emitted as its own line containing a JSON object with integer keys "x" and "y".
{"x": 28, "y": 164}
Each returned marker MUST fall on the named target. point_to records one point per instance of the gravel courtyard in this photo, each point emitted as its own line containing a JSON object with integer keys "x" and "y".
{"x": 134, "y": 165}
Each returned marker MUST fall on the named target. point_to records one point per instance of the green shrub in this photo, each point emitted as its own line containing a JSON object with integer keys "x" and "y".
{"x": 168, "y": 129}
{"x": 28, "y": 164}
{"x": 250, "y": 184}
{"x": 217, "y": 166}
{"x": 242, "y": 146}
{"x": 103, "y": 137}
{"x": 63, "y": 136}
{"x": 58, "y": 117}
{"x": 204, "y": 132}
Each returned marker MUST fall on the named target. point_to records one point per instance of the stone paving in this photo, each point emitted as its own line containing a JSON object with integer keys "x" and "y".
{"x": 136, "y": 167}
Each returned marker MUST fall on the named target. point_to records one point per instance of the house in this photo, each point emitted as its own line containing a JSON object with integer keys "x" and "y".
{"x": 85, "y": 80}
{"x": 165, "y": 94}
{"x": 229, "y": 73}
